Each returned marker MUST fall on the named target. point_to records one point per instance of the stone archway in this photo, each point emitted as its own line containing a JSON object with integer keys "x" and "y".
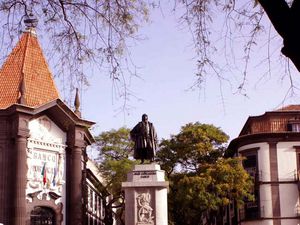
{"x": 45, "y": 207}
{"x": 41, "y": 215}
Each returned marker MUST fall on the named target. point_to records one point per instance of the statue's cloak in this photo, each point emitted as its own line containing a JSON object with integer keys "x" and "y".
{"x": 138, "y": 135}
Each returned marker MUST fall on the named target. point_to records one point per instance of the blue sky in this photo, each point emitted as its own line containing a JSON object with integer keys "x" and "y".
{"x": 167, "y": 67}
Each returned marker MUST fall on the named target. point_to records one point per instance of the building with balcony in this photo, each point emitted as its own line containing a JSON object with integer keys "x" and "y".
{"x": 270, "y": 144}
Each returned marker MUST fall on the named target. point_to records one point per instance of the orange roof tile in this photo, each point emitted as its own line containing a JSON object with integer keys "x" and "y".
{"x": 26, "y": 61}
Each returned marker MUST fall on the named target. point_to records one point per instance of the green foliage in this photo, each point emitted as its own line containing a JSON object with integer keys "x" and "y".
{"x": 196, "y": 194}
{"x": 167, "y": 156}
{"x": 195, "y": 144}
{"x": 222, "y": 182}
{"x": 187, "y": 199}
{"x": 114, "y": 144}
{"x": 114, "y": 172}
{"x": 199, "y": 143}
{"x": 230, "y": 181}
{"x": 202, "y": 182}
{"x": 114, "y": 149}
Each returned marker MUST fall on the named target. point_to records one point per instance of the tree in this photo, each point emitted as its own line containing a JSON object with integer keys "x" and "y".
{"x": 202, "y": 182}
{"x": 243, "y": 22}
{"x": 114, "y": 149}
{"x": 285, "y": 17}
{"x": 195, "y": 144}
{"x": 84, "y": 33}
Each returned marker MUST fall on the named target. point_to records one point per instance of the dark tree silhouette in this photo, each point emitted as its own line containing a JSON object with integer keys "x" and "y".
{"x": 285, "y": 20}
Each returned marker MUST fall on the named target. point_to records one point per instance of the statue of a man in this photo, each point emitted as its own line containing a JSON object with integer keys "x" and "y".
{"x": 145, "y": 140}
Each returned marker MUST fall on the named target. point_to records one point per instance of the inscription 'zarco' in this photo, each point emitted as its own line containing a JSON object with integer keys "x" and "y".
{"x": 144, "y": 174}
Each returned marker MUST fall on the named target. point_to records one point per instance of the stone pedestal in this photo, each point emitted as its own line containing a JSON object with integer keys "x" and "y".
{"x": 146, "y": 196}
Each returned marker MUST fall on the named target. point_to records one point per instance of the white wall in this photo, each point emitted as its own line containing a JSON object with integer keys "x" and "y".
{"x": 263, "y": 159}
{"x": 289, "y": 194}
{"x": 289, "y": 199}
{"x": 93, "y": 167}
{"x": 264, "y": 175}
{"x": 287, "y": 167}
{"x": 290, "y": 222}
{"x": 287, "y": 161}
{"x": 266, "y": 200}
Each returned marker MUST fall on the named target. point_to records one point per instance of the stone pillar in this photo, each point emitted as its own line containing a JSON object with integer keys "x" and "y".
{"x": 76, "y": 147}
{"x": 146, "y": 196}
{"x": 20, "y": 178}
{"x": 76, "y": 187}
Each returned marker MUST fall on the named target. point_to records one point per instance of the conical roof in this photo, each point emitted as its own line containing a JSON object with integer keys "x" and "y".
{"x": 25, "y": 75}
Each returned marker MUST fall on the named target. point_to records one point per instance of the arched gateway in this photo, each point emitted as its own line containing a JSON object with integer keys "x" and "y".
{"x": 42, "y": 216}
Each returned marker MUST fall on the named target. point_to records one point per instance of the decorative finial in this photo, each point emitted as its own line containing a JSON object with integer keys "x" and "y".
{"x": 30, "y": 22}
{"x": 77, "y": 104}
{"x": 22, "y": 90}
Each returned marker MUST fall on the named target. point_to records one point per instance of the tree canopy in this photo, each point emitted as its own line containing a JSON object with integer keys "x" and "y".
{"x": 194, "y": 145}
{"x": 113, "y": 151}
{"x": 202, "y": 182}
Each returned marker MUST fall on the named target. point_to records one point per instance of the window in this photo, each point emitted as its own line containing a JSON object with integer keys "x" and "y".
{"x": 251, "y": 208}
{"x": 297, "y": 174}
{"x": 294, "y": 125}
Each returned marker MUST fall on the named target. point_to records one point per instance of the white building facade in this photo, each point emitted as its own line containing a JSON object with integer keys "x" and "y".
{"x": 270, "y": 144}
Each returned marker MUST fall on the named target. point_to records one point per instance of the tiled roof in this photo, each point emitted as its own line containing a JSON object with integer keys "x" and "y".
{"x": 290, "y": 108}
{"x": 26, "y": 61}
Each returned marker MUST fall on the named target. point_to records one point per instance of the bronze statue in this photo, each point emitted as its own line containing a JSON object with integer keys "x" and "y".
{"x": 145, "y": 140}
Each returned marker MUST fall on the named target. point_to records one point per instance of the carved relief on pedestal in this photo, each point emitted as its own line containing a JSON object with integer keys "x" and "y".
{"x": 144, "y": 209}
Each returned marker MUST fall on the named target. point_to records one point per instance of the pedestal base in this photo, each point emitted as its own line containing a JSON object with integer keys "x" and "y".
{"x": 146, "y": 196}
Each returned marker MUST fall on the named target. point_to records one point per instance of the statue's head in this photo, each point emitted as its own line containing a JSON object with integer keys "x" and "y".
{"x": 144, "y": 118}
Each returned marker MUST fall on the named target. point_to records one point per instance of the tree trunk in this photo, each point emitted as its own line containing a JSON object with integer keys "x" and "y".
{"x": 285, "y": 20}
{"x": 220, "y": 215}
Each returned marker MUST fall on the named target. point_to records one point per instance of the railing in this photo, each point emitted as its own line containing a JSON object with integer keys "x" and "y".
{"x": 274, "y": 126}
{"x": 293, "y": 176}
{"x": 267, "y": 125}
{"x": 251, "y": 213}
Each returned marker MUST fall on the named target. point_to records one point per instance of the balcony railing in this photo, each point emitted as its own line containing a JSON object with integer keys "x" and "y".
{"x": 294, "y": 176}
{"x": 268, "y": 126}
{"x": 251, "y": 213}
